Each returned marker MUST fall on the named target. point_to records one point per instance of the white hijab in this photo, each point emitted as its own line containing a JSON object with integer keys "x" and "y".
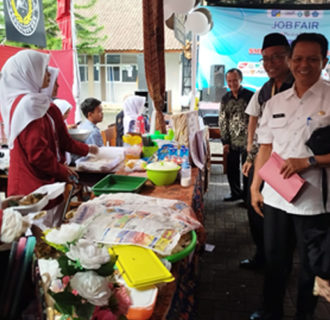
{"x": 53, "y": 76}
{"x": 133, "y": 107}
{"x": 23, "y": 73}
{"x": 63, "y": 105}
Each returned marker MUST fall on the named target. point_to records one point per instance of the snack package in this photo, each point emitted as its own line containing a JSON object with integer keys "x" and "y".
{"x": 135, "y": 165}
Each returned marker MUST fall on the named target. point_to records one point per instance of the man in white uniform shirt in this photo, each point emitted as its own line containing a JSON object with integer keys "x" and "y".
{"x": 275, "y": 53}
{"x": 284, "y": 129}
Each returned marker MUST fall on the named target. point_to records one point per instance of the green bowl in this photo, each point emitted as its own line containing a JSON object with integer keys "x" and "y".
{"x": 184, "y": 252}
{"x": 162, "y": 177}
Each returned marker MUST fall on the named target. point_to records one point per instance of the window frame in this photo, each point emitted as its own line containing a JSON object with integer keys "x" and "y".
{"x": 122, "y": 66}
{"x": 83, "y": 66}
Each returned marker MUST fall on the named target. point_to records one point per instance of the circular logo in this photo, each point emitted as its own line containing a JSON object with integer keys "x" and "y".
{"x": 24, "y": 15}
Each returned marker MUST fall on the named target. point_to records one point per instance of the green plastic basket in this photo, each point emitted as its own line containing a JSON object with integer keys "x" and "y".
{"x": 114, "y": 183}
{"x": 149, "y": 151}
{"x": 186, "y": 251}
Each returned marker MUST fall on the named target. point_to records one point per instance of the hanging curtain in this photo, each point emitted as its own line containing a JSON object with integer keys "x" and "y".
{"x": 154, "y": 59}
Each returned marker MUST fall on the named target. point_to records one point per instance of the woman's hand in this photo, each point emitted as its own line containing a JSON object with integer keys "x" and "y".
{"x": 72, "y": 176}
{"x": 72, "y": 126}
{"x": 93, "y": 149}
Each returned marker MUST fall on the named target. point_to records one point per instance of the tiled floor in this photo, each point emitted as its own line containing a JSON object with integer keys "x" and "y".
{"x": 225, "y": 292}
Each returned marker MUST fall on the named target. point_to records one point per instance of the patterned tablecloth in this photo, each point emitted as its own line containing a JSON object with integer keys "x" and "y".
{"x": 176, "y": 299}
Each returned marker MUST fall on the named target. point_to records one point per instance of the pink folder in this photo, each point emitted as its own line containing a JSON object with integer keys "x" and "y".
{"x": 270, "y": 173}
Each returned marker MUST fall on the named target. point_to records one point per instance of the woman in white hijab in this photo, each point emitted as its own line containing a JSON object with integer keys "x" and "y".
{"x": 133, "y": 107}
{"x": 23, "y": 75}
{"x": 51, "y": 90}
{"x": 32, "y": 126}
{"x": 65, "y": 108}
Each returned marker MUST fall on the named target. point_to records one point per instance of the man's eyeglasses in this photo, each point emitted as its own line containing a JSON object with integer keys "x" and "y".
{"x": 277, "y": 57}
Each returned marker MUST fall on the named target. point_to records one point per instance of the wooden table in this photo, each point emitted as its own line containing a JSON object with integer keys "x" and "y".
{"x": 176, "y": 299}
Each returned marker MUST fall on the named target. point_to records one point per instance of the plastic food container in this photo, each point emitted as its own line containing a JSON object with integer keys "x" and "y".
{"x": 162, "y": 172}
{"x": 25, "y": 209}
{"x": 143, "y": 303}
{"x": 158, "y": 136}
{"x": 140, "y": 267}
{"x": 114, "y": 183}
{"x": 186, "y": 251}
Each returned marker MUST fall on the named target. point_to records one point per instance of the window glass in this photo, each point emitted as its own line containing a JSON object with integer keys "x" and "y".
{"x": 113, "y": 73}
{"x": 83, "y": 71}
{"x": 113, "y": 59}
{"x": 96, "y": 59}
{"x": 129, "y": 72}
{"x": 96, "y": 71}
{"x": 82, "y": 59}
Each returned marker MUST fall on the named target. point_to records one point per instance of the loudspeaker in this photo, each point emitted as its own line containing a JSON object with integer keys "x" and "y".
{"x": 213, "y": 94}
{"x": 217, "y": 75}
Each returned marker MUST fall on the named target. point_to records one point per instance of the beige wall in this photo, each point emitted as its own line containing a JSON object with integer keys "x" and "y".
{"x": 116, "y": 91}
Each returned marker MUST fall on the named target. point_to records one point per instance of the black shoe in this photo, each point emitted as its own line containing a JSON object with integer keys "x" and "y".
{"x": 242, "y": 205}
{"x": 304, "y": 317}
{"x": 232, "y": 198}
{"x": 262, "y": 315}
{"x": 257, "y": 315}
{"x": 251, "y": 264}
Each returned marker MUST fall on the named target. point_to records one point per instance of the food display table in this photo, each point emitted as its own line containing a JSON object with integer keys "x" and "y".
{"x": 176, "y": 299}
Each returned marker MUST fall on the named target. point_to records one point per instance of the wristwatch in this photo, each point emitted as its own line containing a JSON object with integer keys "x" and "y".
{"x": 312, "y": 161}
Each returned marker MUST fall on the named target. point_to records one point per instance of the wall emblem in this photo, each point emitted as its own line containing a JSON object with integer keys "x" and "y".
{"x": 24, "y": 15}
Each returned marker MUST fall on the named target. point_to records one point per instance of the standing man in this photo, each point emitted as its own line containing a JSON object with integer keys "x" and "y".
{"x": 233, "y": 127}
{"x": 283, "y": 129}
{"x": 275, "y": 53}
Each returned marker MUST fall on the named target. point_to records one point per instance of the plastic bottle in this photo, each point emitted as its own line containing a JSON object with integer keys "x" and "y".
{"x": 185, "y": 174}
{"x": 139, "y": 125}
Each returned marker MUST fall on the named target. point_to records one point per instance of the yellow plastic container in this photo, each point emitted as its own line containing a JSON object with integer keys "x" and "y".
{"x": 140, "y": 267}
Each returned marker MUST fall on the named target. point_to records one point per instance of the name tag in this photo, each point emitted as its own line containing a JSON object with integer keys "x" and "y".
{"x": 278, "y": 115}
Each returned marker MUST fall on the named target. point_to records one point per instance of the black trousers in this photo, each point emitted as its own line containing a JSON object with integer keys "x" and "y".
{"x": 256, "y": 222}
{"x": 284, "y": 232}
{"x": 234, "y": 160}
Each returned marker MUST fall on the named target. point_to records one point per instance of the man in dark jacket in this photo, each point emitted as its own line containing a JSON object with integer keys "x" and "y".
{"x": 233, "y": 123}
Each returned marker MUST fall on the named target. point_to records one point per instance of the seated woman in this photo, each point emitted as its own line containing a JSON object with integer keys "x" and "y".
{"x": 35, "y": 129}
{"x": 65, "y": 108}
{"x": 133, "y": 111}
